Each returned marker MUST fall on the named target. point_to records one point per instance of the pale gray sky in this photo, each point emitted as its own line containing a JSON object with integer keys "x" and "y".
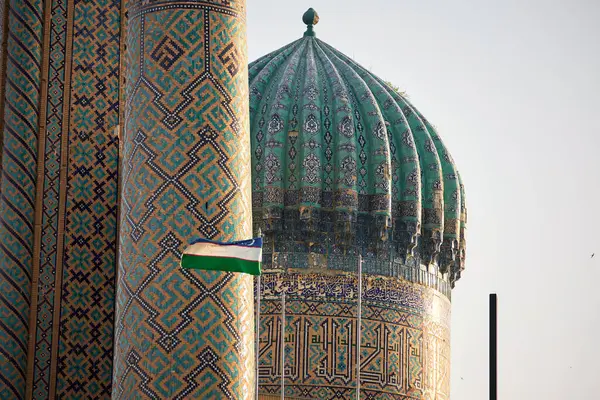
{"x": 514, "y": 88}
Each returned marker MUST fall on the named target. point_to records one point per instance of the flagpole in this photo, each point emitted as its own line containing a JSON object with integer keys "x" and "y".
{"x": 493, "y": 346}
{"x": 359, "y": 327}
{"x": 283, "y": 346}
{"x": 257, "y": 340}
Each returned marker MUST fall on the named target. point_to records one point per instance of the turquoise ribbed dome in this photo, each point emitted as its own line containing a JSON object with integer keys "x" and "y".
{"x": 344, "y": 165}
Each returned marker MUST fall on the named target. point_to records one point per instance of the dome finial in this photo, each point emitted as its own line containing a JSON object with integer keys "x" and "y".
{"x": 310, "y": 18}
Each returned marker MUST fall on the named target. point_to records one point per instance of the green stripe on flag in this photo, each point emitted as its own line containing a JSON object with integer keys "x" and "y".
{"x": 220, "y": 264}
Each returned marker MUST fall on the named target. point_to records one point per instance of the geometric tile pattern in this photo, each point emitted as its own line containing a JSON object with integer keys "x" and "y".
{"x": 405, "y": 341}
{"x": 18, "y": 183}
{"x": 85, "y": 343}
{"x": 186, "y": 173}
{"x": 50, "y": 255}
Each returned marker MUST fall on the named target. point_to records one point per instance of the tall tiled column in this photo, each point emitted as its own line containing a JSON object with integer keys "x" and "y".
{"x": 185, "y": 174}
{"x": 21, "y": 102}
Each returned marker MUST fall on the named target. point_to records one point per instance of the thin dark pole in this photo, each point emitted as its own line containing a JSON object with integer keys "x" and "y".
{"x": 359, "y": 327}
{"x": 493, "y": 346}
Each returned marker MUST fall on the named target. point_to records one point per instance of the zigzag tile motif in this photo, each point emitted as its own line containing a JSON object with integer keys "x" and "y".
{"x": 183, "y": 334}
{"x": 19, "y": 159}
{"x": 3, "y": 24}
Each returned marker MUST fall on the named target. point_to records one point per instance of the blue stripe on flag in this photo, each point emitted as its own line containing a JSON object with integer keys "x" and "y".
{"x": 256, "y": 242}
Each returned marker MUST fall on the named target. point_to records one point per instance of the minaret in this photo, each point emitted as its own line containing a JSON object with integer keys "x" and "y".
{"x": 185, "y": 174}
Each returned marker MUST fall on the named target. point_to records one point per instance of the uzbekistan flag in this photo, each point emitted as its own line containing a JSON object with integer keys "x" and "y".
{"x": 243, "y": 256}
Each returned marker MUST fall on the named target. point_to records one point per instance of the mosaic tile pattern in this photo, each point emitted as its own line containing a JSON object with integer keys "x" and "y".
{"x": 183, "y": 334}
{"x": 49, "y": 254}
{"x": 405, "y": 341}
{"x": 88, "y": 281}
{"x": 19, "y": 159}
